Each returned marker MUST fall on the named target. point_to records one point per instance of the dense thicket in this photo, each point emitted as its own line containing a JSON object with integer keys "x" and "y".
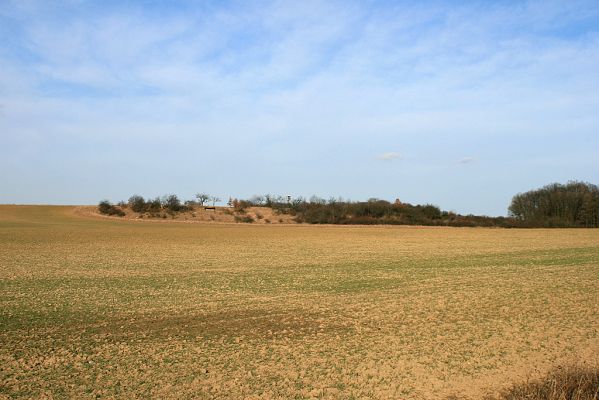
{"x": 373, "y": 211}
{"x": 575, "y": 204}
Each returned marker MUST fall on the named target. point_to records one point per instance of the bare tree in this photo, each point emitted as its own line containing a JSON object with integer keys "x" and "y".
{"x": 574, "y": 204}
{"x": 203, "y": 198}
{"x": 215, "y": 199}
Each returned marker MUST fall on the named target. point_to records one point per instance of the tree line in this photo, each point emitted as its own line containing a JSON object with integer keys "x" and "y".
{"x": 574, "y": 204}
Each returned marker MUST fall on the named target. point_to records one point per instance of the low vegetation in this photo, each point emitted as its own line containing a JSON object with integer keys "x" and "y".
{"x": 571, "y": 383}
{"x": 575, "y": 204}
{"x": 372, "y": 212}
{"x": 107, "y": 208}
{"x": 244, "y": 218}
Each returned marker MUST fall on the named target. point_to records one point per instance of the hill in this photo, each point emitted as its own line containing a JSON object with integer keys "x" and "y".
{"x": 199, "y": 214}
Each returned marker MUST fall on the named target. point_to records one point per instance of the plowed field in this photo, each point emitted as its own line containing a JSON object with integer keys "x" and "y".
{"x": 102, "y": 308}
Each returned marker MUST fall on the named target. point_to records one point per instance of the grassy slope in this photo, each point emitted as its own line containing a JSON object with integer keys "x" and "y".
{"x": 132, "y": 309}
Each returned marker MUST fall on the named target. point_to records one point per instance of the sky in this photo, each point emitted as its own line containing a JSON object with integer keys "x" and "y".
{"x": 457, "y": 104}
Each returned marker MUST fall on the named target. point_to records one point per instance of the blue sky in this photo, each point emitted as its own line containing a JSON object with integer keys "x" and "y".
{"x": 459, "y": 104}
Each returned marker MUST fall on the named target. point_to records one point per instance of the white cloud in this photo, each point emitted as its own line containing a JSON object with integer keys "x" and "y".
{"x": 389, "y": 156}
{"x": 466, "y": 160}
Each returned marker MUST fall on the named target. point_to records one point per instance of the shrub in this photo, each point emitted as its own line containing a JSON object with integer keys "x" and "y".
{"x": 245, "y": 218}
{"x": 137, "y": 203}
{"x": 104, "y": 207}
{"x": 240, "y": 205}
{"x": 107, "y": 208}
{"x": 172, "y": 203}
{"x": 573, "y": 383}
{"x": 154, "y": 206}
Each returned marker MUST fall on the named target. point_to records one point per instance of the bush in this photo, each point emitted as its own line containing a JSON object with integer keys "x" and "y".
{"x": 172, "y": 203}
{"x": 104, "y": 207}
{"x": 240, "y": 205}
{"x": 154, "y": 206}
{"x": 107, "y": 208}
{"x": 137, "y": 203}
{"x": 574, "y": 383}
{"x": 245, "y": 218}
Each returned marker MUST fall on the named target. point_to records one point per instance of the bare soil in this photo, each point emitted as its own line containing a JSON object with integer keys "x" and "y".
{"x": 98, "y": 307}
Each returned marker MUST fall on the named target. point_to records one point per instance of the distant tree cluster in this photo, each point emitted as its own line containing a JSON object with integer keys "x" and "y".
{"x": 170, "y": 203}
{"x": 575, "y": 204}
{"x": 153, "y": 207}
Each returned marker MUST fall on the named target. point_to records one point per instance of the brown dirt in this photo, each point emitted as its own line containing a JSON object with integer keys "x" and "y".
{"x": 104, "y": 307}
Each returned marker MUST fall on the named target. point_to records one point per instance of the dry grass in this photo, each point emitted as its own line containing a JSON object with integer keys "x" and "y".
{"x": 574, "y": 383}
{"x": 95, "y": 307}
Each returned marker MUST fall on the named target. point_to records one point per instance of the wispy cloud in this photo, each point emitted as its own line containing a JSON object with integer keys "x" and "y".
{"x": 466, "y": 160}
{"x": 389, "y": 156}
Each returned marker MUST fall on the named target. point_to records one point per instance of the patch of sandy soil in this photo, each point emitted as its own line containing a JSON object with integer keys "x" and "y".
{"x": 259, "y": 215}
